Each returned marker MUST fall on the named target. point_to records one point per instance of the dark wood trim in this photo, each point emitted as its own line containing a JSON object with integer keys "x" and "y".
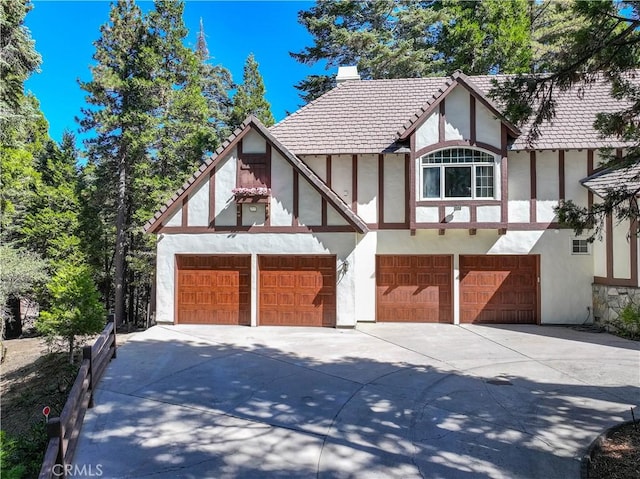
{"x": 441, "y": 232}
{"x": 533, "y": 187}
{"x": 458, "y": 143}
{"x": 561, "y": 179}
{"x": 239, "y": 214}
{"x": 442, "y": 121}
{"x": 462, "y": 226}
{"x": 472, "y": 118}
{"x": 296, "y": 200}
{"x": 502, "y": 231}
{"x": 492, "y": 226}
{"x": 589, "y": 173}
{"x": 238, "y": 162}
{"x": 258, "y": 229}
{"x": 380, "y": 188}
{"x": 442, "y": 212}
{"x": 212, "y": 197}
{"x": 538, "y": 291}
{"x": 609, "y": 245}
{"x": 185, "y": 211}
{"x": 412, "y": 185}
{"x": 633, "y": 254}
{"x": 504, "y": 174}
{"x": 327, "y": 174}
{"x": 407, "y": 191}
{"x": 472, "y": 231}
{"x": 473, "y": 214}
{"x": 615, "y": 282}
{"x": 610, "y": 279}
{"x": 460, "y": 202}
{"x": 354, "y": 183}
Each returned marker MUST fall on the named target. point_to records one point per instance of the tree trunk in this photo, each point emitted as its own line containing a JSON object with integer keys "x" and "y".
{"x": 119, "y": 256}
{"x": 71, "y": 345}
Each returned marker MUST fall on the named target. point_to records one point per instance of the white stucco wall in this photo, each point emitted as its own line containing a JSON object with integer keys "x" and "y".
{"x": 488, "y": 214}
{"x": 340, "y": 244}
{"x": 575, "y": 169}
{"x": 457, "y": 116}
{"x": 368, "y": 188}
{"x": 225, "y": 178}
{"x": 519, "y": 181}
{"x": 281, "y": 212}
{"x": 427, "y": 133}
{"x": 318, "y": 163}
{"x": 198, "y": 214}
{"x": 547, "y": 186}
{"x": 341, "y": 178}
{"x": 427, "y": 214}
{"x": 309, "y": 204}
{"x": 394, "y": 189}
{"x": 253, "y": 142}
{"x": 621, "y": 250}
{"x": 488, "y": 127}
{"x": 175, "y": 220}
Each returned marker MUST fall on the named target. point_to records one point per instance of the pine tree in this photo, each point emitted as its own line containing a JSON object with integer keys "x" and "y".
{"x": 216, "y": 82}
{"x": 491, "y": 36}
{"x": 75, "y": 309}
{"x": 152, "y": 125}
{"x": 51, "y": 224}
{"x": 384, "y": 38}
{"x": 249, "y": 98}
{"x": 18, "y": 59}
{"x": 122, "y": 98}
{"x": 605, "y": 46}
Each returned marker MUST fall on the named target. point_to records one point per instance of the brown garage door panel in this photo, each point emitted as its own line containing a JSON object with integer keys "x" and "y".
{"x": 499, "y": 289}
{"x": 213, "y": 289}
{"x": 414, "y": 288}
{"x": 297, "y": 290}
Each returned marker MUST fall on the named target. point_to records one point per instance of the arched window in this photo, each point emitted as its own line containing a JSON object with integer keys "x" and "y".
{"x": 458, "y": 173}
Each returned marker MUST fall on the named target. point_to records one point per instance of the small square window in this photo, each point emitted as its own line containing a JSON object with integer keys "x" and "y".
{"x": 579, "y": 246}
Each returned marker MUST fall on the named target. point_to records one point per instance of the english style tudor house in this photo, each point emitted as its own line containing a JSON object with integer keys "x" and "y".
{"x": 408, "y": 200}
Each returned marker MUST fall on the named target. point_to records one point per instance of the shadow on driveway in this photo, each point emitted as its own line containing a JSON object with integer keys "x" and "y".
{"x": 177, "y": 404}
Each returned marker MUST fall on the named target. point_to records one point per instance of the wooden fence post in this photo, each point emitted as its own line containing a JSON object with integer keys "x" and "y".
{"x": 87, "y": 354}
{"x": 111, "y": 320}
{"x": 54, "y": 430}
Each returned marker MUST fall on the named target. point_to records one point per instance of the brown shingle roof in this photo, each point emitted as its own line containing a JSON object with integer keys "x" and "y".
{"x": 368, "y": 116}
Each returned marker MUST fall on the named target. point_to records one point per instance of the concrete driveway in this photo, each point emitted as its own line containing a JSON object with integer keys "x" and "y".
{"x": 380, "y": 401}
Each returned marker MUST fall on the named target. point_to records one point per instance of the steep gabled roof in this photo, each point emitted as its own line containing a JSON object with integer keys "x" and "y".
{"x": 202, "y": 173}
{"x": 458, "y": 78}
{"x": 617, "y": 179}
{"x": 370, "y": 116}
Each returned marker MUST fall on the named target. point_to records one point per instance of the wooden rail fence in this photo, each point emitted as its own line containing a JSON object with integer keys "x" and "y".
{"x": 63, "y": 431}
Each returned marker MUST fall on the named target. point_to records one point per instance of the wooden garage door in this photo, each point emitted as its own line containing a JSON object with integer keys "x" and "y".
{"x": 213, "y": 289}
{"x": 414, "y": 288}
{"x": 499, "y": 289}
{"x": 297, "y": 290}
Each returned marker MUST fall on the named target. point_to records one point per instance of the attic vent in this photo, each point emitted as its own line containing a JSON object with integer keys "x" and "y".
{"x": 347, "y": 73}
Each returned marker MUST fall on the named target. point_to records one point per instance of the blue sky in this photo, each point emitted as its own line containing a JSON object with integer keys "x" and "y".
{"x": 64, "y": 32}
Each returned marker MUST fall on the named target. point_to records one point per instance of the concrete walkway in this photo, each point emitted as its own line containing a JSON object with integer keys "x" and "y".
{"x": 382, "y": 401}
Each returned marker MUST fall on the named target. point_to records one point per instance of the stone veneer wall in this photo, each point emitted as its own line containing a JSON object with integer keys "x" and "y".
{"x": 608, "y": 301}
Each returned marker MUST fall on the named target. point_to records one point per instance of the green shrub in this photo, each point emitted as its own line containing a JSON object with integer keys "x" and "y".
{"x": 75, "y": 309}
{"x": 21, "y": 457}
{"x": 629, "y": 320}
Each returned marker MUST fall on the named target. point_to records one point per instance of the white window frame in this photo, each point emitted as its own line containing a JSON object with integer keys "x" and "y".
{"x": 582, "y": 241}
{"x": 471, "y": 164}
